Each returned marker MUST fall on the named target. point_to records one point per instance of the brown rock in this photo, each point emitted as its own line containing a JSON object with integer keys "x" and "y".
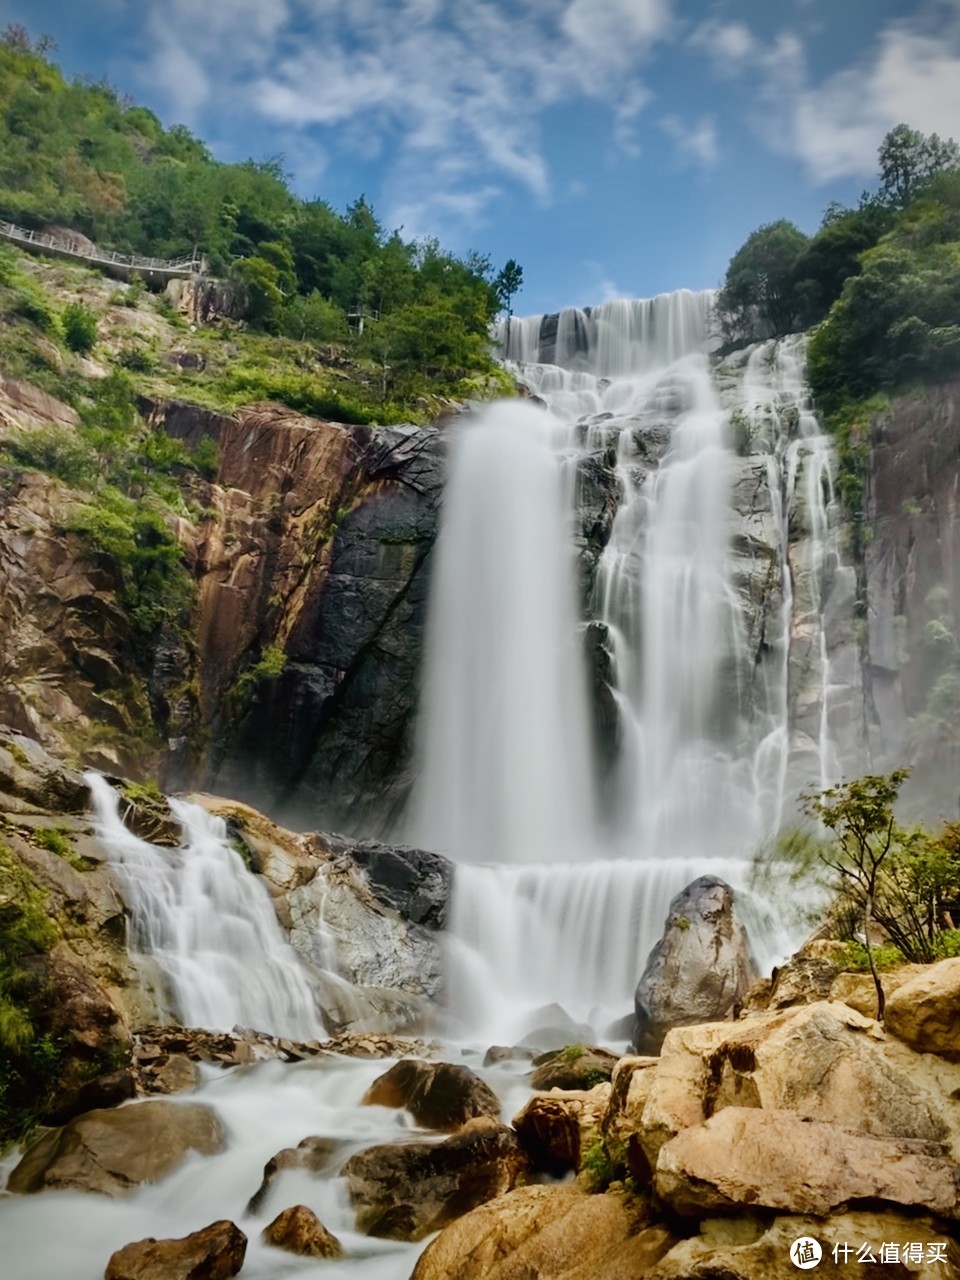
{"x": 554, "y": 1128}
{"x": 25, "y": 406}
{"x": 406, "y": 1191}
{"x": 548, "y": 1232}
{"x": 573, "y": 1067}
{"x": 858, "y": 991}
{"x": 114, "y": 1151}
{"x": 925, "y": 1011}
{"x": 314, "y": 1155}
{"x": 439, "y": 1095}
{"x": 103, "y": 1092}
{"x": 631, "y": 1083}
{"x": 747, "y": 1158}
{"x": 763, "y": 1251}
{"x": 215, "y": 1253}
{"x": 299, "y": 1230}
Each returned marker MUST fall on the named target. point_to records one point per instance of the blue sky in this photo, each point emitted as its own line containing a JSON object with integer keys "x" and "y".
{"x": 614, "y": 147}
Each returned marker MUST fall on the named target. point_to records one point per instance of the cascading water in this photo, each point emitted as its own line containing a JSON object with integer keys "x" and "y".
{"x": 699, "y": 684}
{"x": 207, "y": 925}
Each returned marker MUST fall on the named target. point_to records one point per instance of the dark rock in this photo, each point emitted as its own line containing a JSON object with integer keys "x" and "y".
{"x": 299, "y": 1230}
{"x": 114, "y": 1151}
{"x": 439, "y": 1095}
{"x": 99, "y": 1094}
{"x": 415, "y": 883}
{"x": 406, "y": 1191}
{"x": 576, "y": 1066}
{"x": 699, "y": 970}
{"x": 215, "y": 1253}
{"x": 313, "y": 1155}
{"x": 507, "y": 1053}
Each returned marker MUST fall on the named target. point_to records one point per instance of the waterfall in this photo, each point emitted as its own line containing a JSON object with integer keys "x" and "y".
{"x": 200, "y": 917}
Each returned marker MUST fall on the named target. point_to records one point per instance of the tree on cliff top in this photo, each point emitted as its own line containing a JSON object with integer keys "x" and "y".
{"x": 909, "y": 159}
{"x": 758, "y": 298}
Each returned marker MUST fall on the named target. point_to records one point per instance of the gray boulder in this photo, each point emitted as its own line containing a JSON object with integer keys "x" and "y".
{"x": 699, "y": 969}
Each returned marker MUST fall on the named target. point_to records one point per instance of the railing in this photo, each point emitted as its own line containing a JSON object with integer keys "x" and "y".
{"x": 76, "y": 249}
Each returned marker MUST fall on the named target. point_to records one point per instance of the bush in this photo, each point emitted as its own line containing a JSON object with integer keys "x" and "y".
{"x": 79, "y": 328}
{"x": 314, "y": 318}
{"x": 247, "y": 686}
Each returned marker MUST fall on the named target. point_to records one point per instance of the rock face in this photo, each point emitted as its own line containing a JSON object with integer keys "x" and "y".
{"x": 573, "y": 1067}
{"x": 556, "y": 1128}
{"x": 743, "y": 1157}
{"x": 215, "y": 1253}
{"x": 406, "y": 1191}
{"x": 544, "y": 1231}
{"x": 437, "y": 1094}
{"x": 924, "y": 1011}
{"x": 299, "y": 1230}
{"x": 114, "y": 1151}
{"x": 313, "y": 1155}
{"x": 700, "y": 967}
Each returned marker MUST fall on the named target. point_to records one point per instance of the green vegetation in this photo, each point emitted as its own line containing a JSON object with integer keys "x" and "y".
{"x": 248, "y": 684}
{"x": 881, "y": 282}
{"x": 597, "y": 1169}
{"x": 77, "y": 155}
{"x": 54, "y": 839}
{"x": 571, "y": 1053}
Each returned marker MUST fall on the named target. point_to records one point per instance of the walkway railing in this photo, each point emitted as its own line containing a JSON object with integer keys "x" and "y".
{"x": 75, "y": 248}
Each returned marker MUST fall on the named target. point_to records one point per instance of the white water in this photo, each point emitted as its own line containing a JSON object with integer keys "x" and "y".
{"x": 207, "y": 925}
{"x": 702, "y": 776}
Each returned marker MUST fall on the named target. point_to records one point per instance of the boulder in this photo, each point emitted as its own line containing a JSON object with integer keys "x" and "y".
{"x": 114, "y": 1151}
{"x": 543, "y": 1231}
{"x": 507, "y": 1053}
{"x": 215, "y": 1253}
{"x": 299, "y": 1230}
{"x": 630, "y": 1087}
{"x": 823, "y": 1061}
{"x": 858, "y": 991}
{"x": 762, "y": 1251}
{"x": 555, "y": 1128}
{"x": 699, "y": 969}
{"x": 575, "y": 1066}
{"x": 405, "y": 1191}
{"x": 925, "y": 1011}
{"x": 439, "y": 1095}
{"x": 744, "y": 1157}
{"x": 313, "y": 1155}
{"x": 98, "y": 1094}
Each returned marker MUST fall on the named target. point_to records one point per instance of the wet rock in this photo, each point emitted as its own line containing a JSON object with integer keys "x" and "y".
{"x": 699, "y": 969}
{"x": 299, "y": 1230}
{"x": 312, "y": 1155}
{"x": 99, "y": 1094}
{"x": 155, "y": 1047}
{"x": 439, "y": 1095}
{"x": 360, "y": 1044}
{"x": 925, "y": 1011}
{"x": 215, "y": 1253}
{"x": 507, "y": 1053}
{"x": 575, "y": 1066}
{"x": 553, "y": 1028}
{"x": 415, "y": 883}
{"x": 544, "y": 1231}
{"x": 406, "y": 1191}
{"x": 114, "y": 1151}
{"x": 744, "y": 1157}
{"x": 170, "y": 1073}
{"x": 556, "y": 1128}
{"x": 41, "y": 782}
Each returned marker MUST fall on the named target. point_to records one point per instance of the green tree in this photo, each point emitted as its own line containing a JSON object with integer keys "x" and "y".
{"x": 909, "y": 159}
{"x": 758, "y": 298}
{"x": 860, "y": 817}
{"x": 508, "y": 284}
{"x": 263, "y": 300}
{"x": 79, "y": 328}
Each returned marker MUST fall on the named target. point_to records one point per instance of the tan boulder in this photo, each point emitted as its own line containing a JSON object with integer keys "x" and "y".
{"x": 114, "y": 1151}
{"x": 299, "y": 1230}
{"x": 823, "y": 1061}
{"x": 556, "y": 1128}
{"x": 548, "y": 1232}
{"x": 858, "y": 991}
{"x": 439, "y": 1095}
{"x": 762, "y": 1251}
{"x": 575, "y": 1066}
{"x": 215, "y": 1253}
{"x": 747, "y": 1158}
{"x": 630, "y": 1087}
{"x": 404, "y": 1191}
{"x": 924, "y": 1011}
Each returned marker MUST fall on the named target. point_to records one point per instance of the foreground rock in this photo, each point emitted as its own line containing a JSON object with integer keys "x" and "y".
{"x": 114, "y": 1151}
{"x": 575, "y": 1066}
{"x": 752, "y": 1249}
{"x": 544, "y": 1232}
{"x": 699, "y": 969}
{"x": 555, "y": 1129}
{"x": 925, "y": 1011}
{"x": 299, "y": 1230}
{"x": 745, "y": 1158}
{"x": 438, "y": 1095}
{"x": 406, "y": 1191}
{"x": 215, "y": 1253}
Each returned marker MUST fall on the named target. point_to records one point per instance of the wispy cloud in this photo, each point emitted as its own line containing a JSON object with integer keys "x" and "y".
{"x": 695, "y": 142}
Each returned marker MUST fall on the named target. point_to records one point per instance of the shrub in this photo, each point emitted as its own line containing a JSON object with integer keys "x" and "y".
{"x": 246, "y": 687}
{"x": 79, "y": 328}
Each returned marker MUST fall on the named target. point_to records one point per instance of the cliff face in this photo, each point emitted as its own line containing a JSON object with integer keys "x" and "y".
{"x": 911, "y": 586}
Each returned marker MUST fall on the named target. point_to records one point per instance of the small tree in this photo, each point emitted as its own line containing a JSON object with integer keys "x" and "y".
{"x": 79, "y": 328}
{"x": 508, "y": 283}
{"x": 909, "y": 159}
{"x": 860, "y": 816}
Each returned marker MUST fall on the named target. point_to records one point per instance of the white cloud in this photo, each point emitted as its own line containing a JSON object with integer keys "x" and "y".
{"x": 730, "y": 45}
{"x": 697, "y": 141}
{"x": 413, "y": 82}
